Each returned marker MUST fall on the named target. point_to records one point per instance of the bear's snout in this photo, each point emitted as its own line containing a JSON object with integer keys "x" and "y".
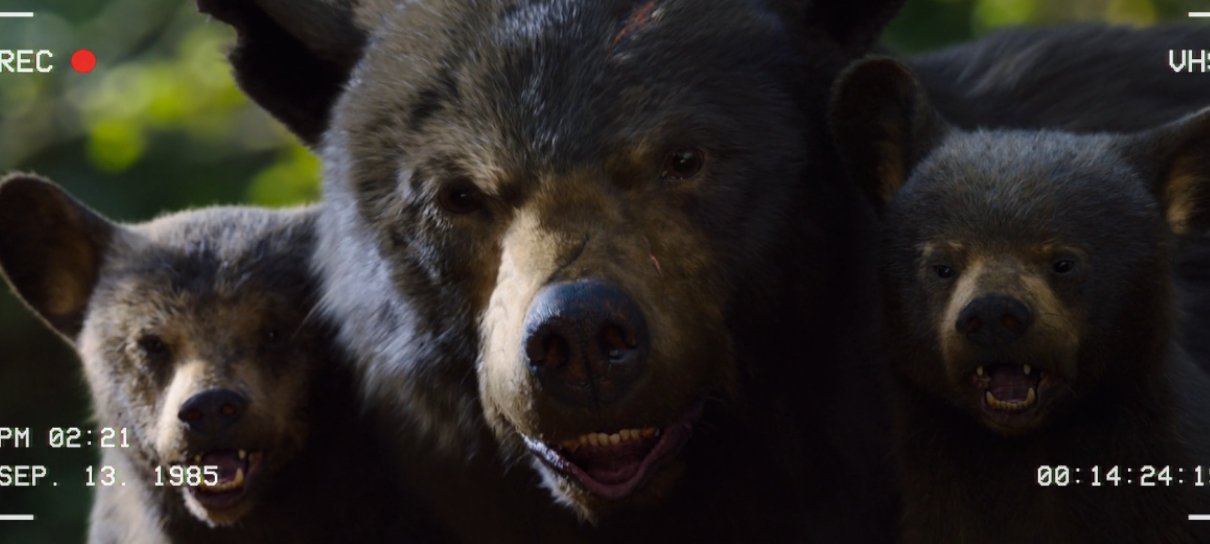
{"x": 994, "y": 320}
{"x": 212, "y": 412}
{"x": 585, "y": 341}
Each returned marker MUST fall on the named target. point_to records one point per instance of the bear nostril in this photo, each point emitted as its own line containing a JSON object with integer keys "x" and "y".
{"x": 970, "y": 326}
{"x": 554, "y": 351}
{"x": 1012, "y": 323}
{"x": 547, "y": 348}
{"x": 615, "y": 343}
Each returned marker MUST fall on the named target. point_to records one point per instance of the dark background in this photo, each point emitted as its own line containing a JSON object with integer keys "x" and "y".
{"x": 160, "y": 126}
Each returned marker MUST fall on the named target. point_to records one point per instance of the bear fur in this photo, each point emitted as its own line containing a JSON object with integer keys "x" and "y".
{"x": 1078, "y": 78}
{"x": 1031, "y": 319}
{"x": 479, "y": 154}
{"x": 168, "y": 314}
{"x": 1082, "y": 78}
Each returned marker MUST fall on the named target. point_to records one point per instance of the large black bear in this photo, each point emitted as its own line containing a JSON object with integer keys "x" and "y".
{"x": 588, "y": 238}
{"x": 1030, "y": 320}
{"x": 605, "y": 240}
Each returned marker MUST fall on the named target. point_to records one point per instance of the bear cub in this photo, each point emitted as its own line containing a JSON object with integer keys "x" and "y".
{"x": 195, "y": 336}
{"x": 1029, "y": 315}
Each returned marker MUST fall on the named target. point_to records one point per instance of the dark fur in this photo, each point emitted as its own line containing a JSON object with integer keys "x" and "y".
{"x": 211, "y": 283}
{"x": 1129, "y": 396}
{"x": 1082, "y": 78}
{"x": 558, "y": 110}
{"x": 294, "y": 70}
{"x": 1079, "y": 78}
{"x": 1193, "y": 274}
{"x": 563, "y": 118}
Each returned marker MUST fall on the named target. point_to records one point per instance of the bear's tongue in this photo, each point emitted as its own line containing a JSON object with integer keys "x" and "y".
{"x": 613, "y": 464}
{"x": 1010, "y": 383}
{"x": 228, "y": 463}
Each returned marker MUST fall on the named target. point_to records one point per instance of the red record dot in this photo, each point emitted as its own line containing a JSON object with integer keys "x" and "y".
{"x": 83, "y": 61}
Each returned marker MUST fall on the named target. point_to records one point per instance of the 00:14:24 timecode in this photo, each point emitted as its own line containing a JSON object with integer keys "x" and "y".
{"x": 1116, "y": 476}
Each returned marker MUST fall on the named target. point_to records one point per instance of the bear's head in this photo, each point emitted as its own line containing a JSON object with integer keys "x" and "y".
{"x": 547, "y": 222}
{"x": 192, "y": 330}
{"x": 1023, "y": 271}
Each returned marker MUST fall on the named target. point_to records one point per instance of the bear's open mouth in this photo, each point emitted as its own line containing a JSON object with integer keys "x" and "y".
{"x": 1009, "y": 387}
{"x": 613, "y": 465}
{"x": 235, "y": 470}
{"x": 1011, "y": 392}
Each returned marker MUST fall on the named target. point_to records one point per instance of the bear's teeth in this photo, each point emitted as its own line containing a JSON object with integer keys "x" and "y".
{"x": 1031, "y": 396}
{"x": 235, "y": 483}
{"x": 604, "y": 439}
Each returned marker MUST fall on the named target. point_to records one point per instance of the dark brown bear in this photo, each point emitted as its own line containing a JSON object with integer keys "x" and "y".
{"x": 1029, "y": 315}
{"x": 601, "y": 247}
{"x": 195, "y": 336}
{"x": 574, "y": 246}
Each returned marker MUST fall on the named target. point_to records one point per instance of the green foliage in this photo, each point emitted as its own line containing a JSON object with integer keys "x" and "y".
{"x": 928, "y": 24}
{"x": 161, "y": 95}
{"x": 290, "y": 180}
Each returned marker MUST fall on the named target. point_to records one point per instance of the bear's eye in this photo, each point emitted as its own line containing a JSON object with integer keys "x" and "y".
{"x": 1063, "y": 266}
{"x": 460, "y": 197}
{"x": 683, "y": 163}
{"x": 153, "y": 346}
{"x": 273, "y": 338}
{"x": 943, "y": 271}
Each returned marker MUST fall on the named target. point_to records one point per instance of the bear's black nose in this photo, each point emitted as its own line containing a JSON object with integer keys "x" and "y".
{"x": 585, "y": 341}
{"x": 994, "y": 320}
{"x": 213, "y": 411}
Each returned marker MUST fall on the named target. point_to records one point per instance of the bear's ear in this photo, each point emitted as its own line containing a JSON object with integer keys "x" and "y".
{"x": 1175, "y": 160}
{"x": 293, "y": 57}
{"x": 882, "y": 124}
{"x": 51, "y": 250}
{"x": 853, "y": 24}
